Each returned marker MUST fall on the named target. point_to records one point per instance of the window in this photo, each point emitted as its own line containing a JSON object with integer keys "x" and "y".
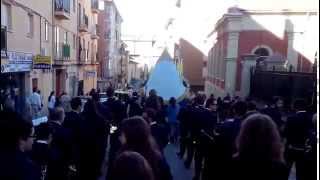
{"x": 46, "y": 31}
{"x": 6, "y": 16}
{"x": 262, "y": 52}
{"x": 74, "y": 5}
{"x": 74, "y": 41}
{"x": 65, "y": 38}
{"x": 56, "y": 32}
{"x": 30, "y": 25}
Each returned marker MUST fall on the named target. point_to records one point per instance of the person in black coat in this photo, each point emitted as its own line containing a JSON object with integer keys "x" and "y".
{"x": 225, "y": 137}
{"x": 134, "y": 108}
{"x": 40, "y": 153}
{"x": 204, "y": 121}
{"x": 73, "y": 117}
{"x": 16, "y": 140}
{"x": 92, "y": 141}
{"x": 153, "y": 101}
{"x": 60, "y": 148}
{"x": 274, "y": 112}
{"x": 184, "y": 119}
{"x": 158, "y": 130}
{"x": 118, "y": 113}
{"x": 259, "y": 152}
{"x": 296, "y": 133}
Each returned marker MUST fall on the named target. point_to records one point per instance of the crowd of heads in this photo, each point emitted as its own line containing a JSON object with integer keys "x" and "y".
{"x": 139, "y": 154}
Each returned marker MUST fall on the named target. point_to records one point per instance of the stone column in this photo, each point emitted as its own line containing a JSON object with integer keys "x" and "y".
{"x": 248, "y": 61}
{"x": 231, "y": 63}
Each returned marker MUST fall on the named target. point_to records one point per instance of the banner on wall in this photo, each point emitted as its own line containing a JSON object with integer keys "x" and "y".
{"x": 16, "y": 62}
{"x": 42, "y": 62}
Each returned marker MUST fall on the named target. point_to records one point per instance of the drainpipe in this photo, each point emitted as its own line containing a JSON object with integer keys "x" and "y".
{"x": 52, "y": 47}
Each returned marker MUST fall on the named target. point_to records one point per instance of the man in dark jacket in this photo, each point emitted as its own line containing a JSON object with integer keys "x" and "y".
{"x": 118, "y": 114}
{"x": 73, "y": 117}
{"x": 184, "y": 119}
{"x": 296, "y": 133}
{"x": 225, "y": 137}
{"x": 16, "y": 140}
{"x": 134, "y": 108}
{"x": 204, "y": 121}
{"x": 40, "y": 150}
{"x": 153, "y": 100}
{"x": 158, "y": 130}
{"x": 61, "y": 147}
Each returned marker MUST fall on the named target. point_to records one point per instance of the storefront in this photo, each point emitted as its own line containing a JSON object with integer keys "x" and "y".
{"x": 14, "y": 79}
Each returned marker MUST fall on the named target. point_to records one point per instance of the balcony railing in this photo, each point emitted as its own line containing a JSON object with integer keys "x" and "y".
{"x": 62, "y": 52}
{"x": 83, "y": 56}
{"x": 84, "y": 24}
{"x": 3, "y": 41}
{"x": 62, "y": 9}
{"x": 95, "y": 6}
{"x": 94, "y": 34}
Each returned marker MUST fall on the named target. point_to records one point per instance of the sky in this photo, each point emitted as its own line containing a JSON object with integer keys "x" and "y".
{"x": 193, "y": 21}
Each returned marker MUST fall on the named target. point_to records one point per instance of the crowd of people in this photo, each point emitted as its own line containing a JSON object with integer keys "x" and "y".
{"x": 226, "y": 138}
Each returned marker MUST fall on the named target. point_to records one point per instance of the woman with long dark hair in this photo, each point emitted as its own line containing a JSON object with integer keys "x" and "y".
{"x": 131, "y": 165}
{"x": 260, "y": 151}
{"x": 136, "y": 136}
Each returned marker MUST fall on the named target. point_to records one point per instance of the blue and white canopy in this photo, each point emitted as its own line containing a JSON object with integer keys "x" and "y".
{"x": 165, "y": 78}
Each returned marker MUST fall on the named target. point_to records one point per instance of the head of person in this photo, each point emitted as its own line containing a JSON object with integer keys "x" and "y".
{"x": 300, "y": 105}
{"x": 135, "y": 94}
{"x": 279, "y": 103}
{"x": 211, "y": 96}
{"x": 172, "y": 101}
{"x": 161, "y": 101}
{"x": 44, "y": 132}
{"x": 51, "y": 93}
{"x": 149, "y": 115}
{"x": 131, "y": 165}
{"x": 251, "y": 106}
{"x": 110, "y": 92}
{"x": 76, "y": 104}
{"x": 35, "y": 89}
{"x": 136, "y": 136}
{"x": 259, "y": 139}
{"x": 213, "y": 106}
{"x": 198, "y": 100}
{"x": 240, "y": 109}
{"x": 152, "y": 93}
{"x": 88, "y": 108}
{"x": 57, "y": 115}
{"x": 16, "y": 133}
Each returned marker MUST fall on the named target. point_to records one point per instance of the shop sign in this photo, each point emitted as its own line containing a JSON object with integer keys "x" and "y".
{"x": 90, "y": 74}
{"x": 17, "y": 62}
{"x": 42, "y": 62}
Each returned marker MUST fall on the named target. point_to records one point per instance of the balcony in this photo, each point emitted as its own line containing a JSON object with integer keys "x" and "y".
{"x": 83, "y": 56}
{"x": 83, "y": 26}
{"x": 3, "y": 41}
{"x": 62, "y": 9}
{"x": 95, "y": 6}
{"x": 94, "y": 34}
{"x": 62, "y": 53}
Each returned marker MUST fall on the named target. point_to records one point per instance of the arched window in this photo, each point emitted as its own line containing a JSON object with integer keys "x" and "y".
{"x": 262, "y": 52}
